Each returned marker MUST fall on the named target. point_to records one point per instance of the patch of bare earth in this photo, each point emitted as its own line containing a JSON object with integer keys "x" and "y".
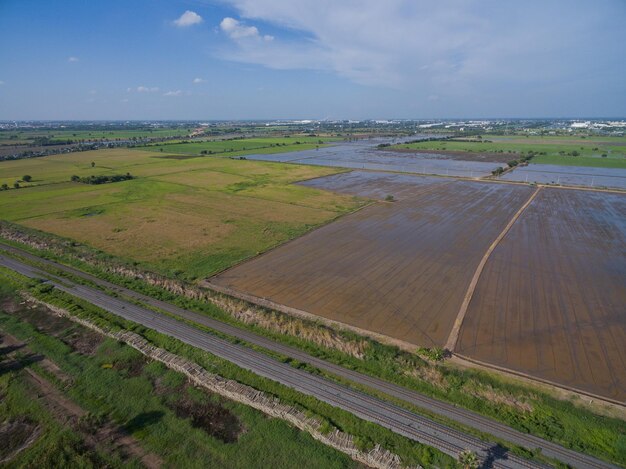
{"x": 95, "y": 432}
{"x": 81, "y": 340}
{"x": 212, "y": 418}
{"x": 486, "y": 157}
{"x": 16, "y": 436}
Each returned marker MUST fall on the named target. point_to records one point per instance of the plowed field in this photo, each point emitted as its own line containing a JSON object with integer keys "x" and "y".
{"x": 551, "y": 301}
{"x": 400, "y": 269}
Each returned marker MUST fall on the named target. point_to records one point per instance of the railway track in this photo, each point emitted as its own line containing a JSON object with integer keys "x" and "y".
{"x": 462, "y": 416}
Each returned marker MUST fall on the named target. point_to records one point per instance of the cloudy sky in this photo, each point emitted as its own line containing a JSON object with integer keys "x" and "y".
{"x": 254, "y": 59}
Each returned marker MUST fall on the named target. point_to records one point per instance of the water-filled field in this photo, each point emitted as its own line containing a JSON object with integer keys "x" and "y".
{"x": 365, "y": 155}
{"x": 569, "y": 175}
{"x": 400, "y": 269}
{"x": 551, "y": 300}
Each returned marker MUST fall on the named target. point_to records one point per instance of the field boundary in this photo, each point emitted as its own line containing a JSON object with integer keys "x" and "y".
{"x": 474, "y": 363}
{"x": 456, "y": 328}
{"x": 377, "y": 457}
{"x": 272, "y": 305}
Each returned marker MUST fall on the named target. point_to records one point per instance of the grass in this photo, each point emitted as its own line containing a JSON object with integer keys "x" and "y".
{"x": 525, "y": 408}
{"x": 243, "y": 146}
{"x": 21, "y": 135}
{"x": 192, "y": 217}
{"x": 548, "y": 150}
{"x": 367, "y": 433}
{"x": 586, "y": 161}
{"x": 146, "y": 413}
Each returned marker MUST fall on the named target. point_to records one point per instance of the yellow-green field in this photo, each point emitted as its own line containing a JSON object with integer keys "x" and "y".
{"x": 189, "y": 217}
{"x": 599, "y": 151}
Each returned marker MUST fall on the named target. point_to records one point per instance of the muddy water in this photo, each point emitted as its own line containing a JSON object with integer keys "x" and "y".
{"x": 569, "y": 175}
{"x": 365, "y": 155}
{"x": 400, "y": 269}
{"x": 551, "y": 301}
{"x": 374, "y": 185}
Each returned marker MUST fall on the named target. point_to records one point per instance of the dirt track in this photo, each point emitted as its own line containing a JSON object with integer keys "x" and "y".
{"x": 399, "y": 269}
{"x": 550, "y": 301}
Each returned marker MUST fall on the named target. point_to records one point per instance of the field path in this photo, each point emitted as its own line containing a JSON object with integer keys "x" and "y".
{"x": 456, "y": 328}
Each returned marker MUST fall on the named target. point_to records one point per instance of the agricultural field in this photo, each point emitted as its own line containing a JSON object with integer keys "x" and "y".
{"x": 609, "y": 152}
{"x": 399, "y": 269}
{"x": 364, "y": 155}
{"x": 61, "y": 385}
{"x": 188, "y": 218}
{"x": 18, "y": 136}
{"x": 614, "y": 178}
{"x": 238, "y": 147}
{"x": 550, "y": 302}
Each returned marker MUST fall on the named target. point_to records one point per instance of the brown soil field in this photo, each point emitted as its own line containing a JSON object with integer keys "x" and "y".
{"x": 374, "y": 185}
{"x": 399, "y": 269}
{"x": 483, "y": 157}
{"x": 551, "y": 300}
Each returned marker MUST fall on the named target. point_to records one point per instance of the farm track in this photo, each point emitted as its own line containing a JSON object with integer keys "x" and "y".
{"x": 398, "y": 419}
{"x": 550, "y": 300}
{"x": 398, "y": 269}
{"x": 454, "y": 334}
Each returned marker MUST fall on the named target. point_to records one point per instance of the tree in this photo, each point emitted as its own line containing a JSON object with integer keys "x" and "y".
{"x": 16, "y": 185}
{"x": 93, "y": 164}
{"x": 4, "y": 187}
{"x": 468, "y": 459}
{"x": 75, "y": 178}
{"x": 27, "y": 178}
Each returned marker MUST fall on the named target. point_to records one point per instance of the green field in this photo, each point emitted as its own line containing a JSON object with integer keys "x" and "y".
{"x": 179, "y": 424}
{"x": 243, "y": 146}
{"x": 609, "y": 152}
{"x": 22, "y": 135}
{"x": 189, "y": 217}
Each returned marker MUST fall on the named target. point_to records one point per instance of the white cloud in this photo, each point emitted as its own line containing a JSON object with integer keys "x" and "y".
{"x": 189, "y": 18}
{"x": 442, "y": 47}
{"x": 236, "y": 30}
{"x": 197, "y": 81}
{"x": 147, "y": 89}
{"x": 73, "y": 59}
{"x": 173, "y": 93}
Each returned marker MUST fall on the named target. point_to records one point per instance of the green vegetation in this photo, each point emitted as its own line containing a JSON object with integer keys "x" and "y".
{"x": 103, "y": 179}
{"x": 166, "y": 435}
{"x": 525, "y": 408}
{"x": 237, "y": 147}
{"x": 587, "y": 161}
{"x": 609, "y": 152}
{"x": 39, "y": 136}
{"x": 190, "y": 217}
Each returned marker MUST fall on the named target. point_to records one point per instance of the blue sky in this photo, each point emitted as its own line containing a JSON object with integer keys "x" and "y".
{"x": 267, "y": 59}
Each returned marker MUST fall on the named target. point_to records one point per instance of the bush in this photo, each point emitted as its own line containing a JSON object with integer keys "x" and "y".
{"x": 102, "y": 179}
{"x": 27, "y": 178}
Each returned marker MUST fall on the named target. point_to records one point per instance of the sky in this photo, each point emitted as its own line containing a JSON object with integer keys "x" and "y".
{"x": 311, "y": 59}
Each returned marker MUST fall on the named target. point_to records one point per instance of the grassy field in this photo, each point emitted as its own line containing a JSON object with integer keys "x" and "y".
{"x": 188, "y": 217}
{"x": 609, "y": 152}
{"x": 526, "y": 408}
{"x": 174, "y": 422}
{"x": 21, "y": 135}
{"x": 243, "y": 146}
{"x": 366, "y": 434}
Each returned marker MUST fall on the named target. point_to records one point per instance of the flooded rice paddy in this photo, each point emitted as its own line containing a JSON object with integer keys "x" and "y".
{"x": 550, "y": 303}
{"x": 569, "y": 175}
{"x": 365, "y": 155}
{"x": 399, "y": 269}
